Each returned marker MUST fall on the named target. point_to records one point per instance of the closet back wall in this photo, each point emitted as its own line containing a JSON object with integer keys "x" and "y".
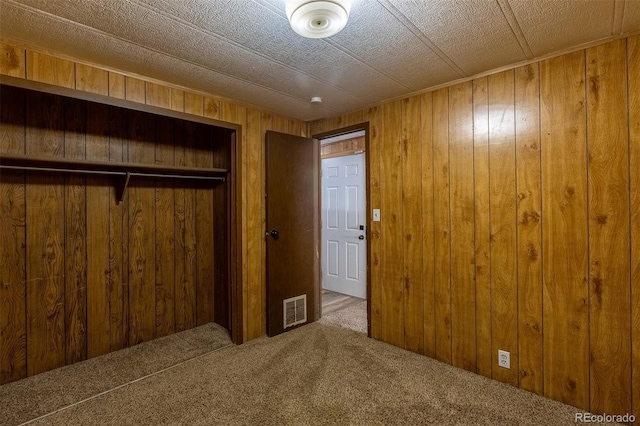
{"x": 81, "y": 274}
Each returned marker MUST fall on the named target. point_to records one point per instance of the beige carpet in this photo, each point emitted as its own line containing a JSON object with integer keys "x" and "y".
{"x": 313, "y": 375}
{"x": 44, "y": 393}
{"x": 353, "y": 317}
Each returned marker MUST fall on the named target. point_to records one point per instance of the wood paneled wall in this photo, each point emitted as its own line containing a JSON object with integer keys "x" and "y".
{"x": 510, "y": 212}
{"x": 83, "y": 275}
{"x": 28, "y": 62}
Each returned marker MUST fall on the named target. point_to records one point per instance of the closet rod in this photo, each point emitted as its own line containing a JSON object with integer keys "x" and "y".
{"x": 218, "y": 178}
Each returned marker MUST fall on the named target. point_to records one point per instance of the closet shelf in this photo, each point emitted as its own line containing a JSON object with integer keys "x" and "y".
{"x": 123, "y": 170}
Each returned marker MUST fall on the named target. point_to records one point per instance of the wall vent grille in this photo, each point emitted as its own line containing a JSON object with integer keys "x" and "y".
{"x": 294, "y": 310}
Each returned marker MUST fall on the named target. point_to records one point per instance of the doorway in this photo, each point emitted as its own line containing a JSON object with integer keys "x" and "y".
{"x": 344, "y": 230}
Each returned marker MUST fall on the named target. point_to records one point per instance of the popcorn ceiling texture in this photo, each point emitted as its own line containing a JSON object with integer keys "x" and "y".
{"x": 246, "y": 51}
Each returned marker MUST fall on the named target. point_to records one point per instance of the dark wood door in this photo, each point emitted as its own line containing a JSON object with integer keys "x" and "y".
{"x": 293, "y": 229}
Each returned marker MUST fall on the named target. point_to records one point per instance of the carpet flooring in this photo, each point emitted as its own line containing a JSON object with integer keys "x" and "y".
{"x": 316, "y": 374}
{"x": 45, "y": 393}
{"x": 353, "y": 317}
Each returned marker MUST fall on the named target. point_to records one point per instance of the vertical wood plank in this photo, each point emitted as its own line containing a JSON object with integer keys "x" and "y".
{"x": 442, "y": 283}
{"x": 75, "y": 235}
{"x": 354, "y": 118}
{"x": 158, "y": 95}
{"x": 13, "y": 355}
{"x": 565, "y": 230}
{"x": 134, "y": 90}
{"x": 502, "y": 184}
{"x": 527, "y": 99}
{"x": 428, "y": 234}
{"x": 93, "y": 80}
{"x": 633, "y": 63}
{"x": 482, "y": 195}
{"x": 190, "y": 237}
{"x": 116, "y": 85}
{"x": 141, "y": 232}
{"x": 463, "y": 300}
{"x": 45, "y": 238}
{"x": 12, "y": 120}
{"x": 374, "y": 116}
{"x": 98, "y": 260}
{"x": 412, "y": 225}
{"x": 185, "y": 302}
{"x": 278, "y": 123}
{"x": 180, "y": 246}
{"x": 297, "y": 127}
{"x": 212, "y": 107}
{"x": 193, "y": 104}
{"x": 204, "y": 231}
{"x": 334, "y": 123}
{"x": 391, "y": 220}
{"x": 49, "y": 69}
{"x": 118, "y": 236}
{"x": 177, "y": 100}
{"x": 12, "y": 278}
{"x": 609, "y": 244}
{"x": 165, "y": 230}
{"x": 317, "y": 127}
{"x": 231, "y": 113}
{"x": 255, "y": 237}
{"x": 12, "y": 61}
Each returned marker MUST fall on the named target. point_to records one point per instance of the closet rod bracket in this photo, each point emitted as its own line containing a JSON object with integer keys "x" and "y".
{"x": 122, "y": 187}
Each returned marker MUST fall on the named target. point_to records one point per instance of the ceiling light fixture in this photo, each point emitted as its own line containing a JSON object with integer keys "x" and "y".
{"x": 318, "y": 18}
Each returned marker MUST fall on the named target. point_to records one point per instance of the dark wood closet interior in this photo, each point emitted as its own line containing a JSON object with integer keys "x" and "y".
{"x": 87, "y": 265}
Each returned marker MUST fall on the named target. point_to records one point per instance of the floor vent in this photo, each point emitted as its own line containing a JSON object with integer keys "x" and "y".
{"x": 295, "y": 310}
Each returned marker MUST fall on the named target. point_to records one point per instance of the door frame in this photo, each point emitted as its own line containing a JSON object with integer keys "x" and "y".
{"x": 367, "y": 164}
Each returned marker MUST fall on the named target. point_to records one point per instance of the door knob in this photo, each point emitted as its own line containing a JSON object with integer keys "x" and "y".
{"x": 274, "y": 234}
{"x": 361, "y": 237}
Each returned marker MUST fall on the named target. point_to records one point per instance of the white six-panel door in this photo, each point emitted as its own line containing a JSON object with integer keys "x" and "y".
{"x": 343, "y": 225}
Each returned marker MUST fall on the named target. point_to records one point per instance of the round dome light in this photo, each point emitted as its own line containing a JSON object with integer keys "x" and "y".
{"x": 317, "y": 18}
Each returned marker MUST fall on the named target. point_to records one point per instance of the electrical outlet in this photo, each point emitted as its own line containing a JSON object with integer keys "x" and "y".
{"x": 504, "y": 359}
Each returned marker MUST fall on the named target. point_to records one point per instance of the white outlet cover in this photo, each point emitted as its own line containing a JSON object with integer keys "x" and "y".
{"x": 504, "y": 359}
{"x": 376, "y": 215}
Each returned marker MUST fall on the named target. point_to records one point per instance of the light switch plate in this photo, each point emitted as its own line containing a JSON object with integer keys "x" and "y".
{"x": 376, "y": 215}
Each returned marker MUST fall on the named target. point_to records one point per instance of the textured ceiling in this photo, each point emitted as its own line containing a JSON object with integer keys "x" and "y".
{"x": 245, "y": 49}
